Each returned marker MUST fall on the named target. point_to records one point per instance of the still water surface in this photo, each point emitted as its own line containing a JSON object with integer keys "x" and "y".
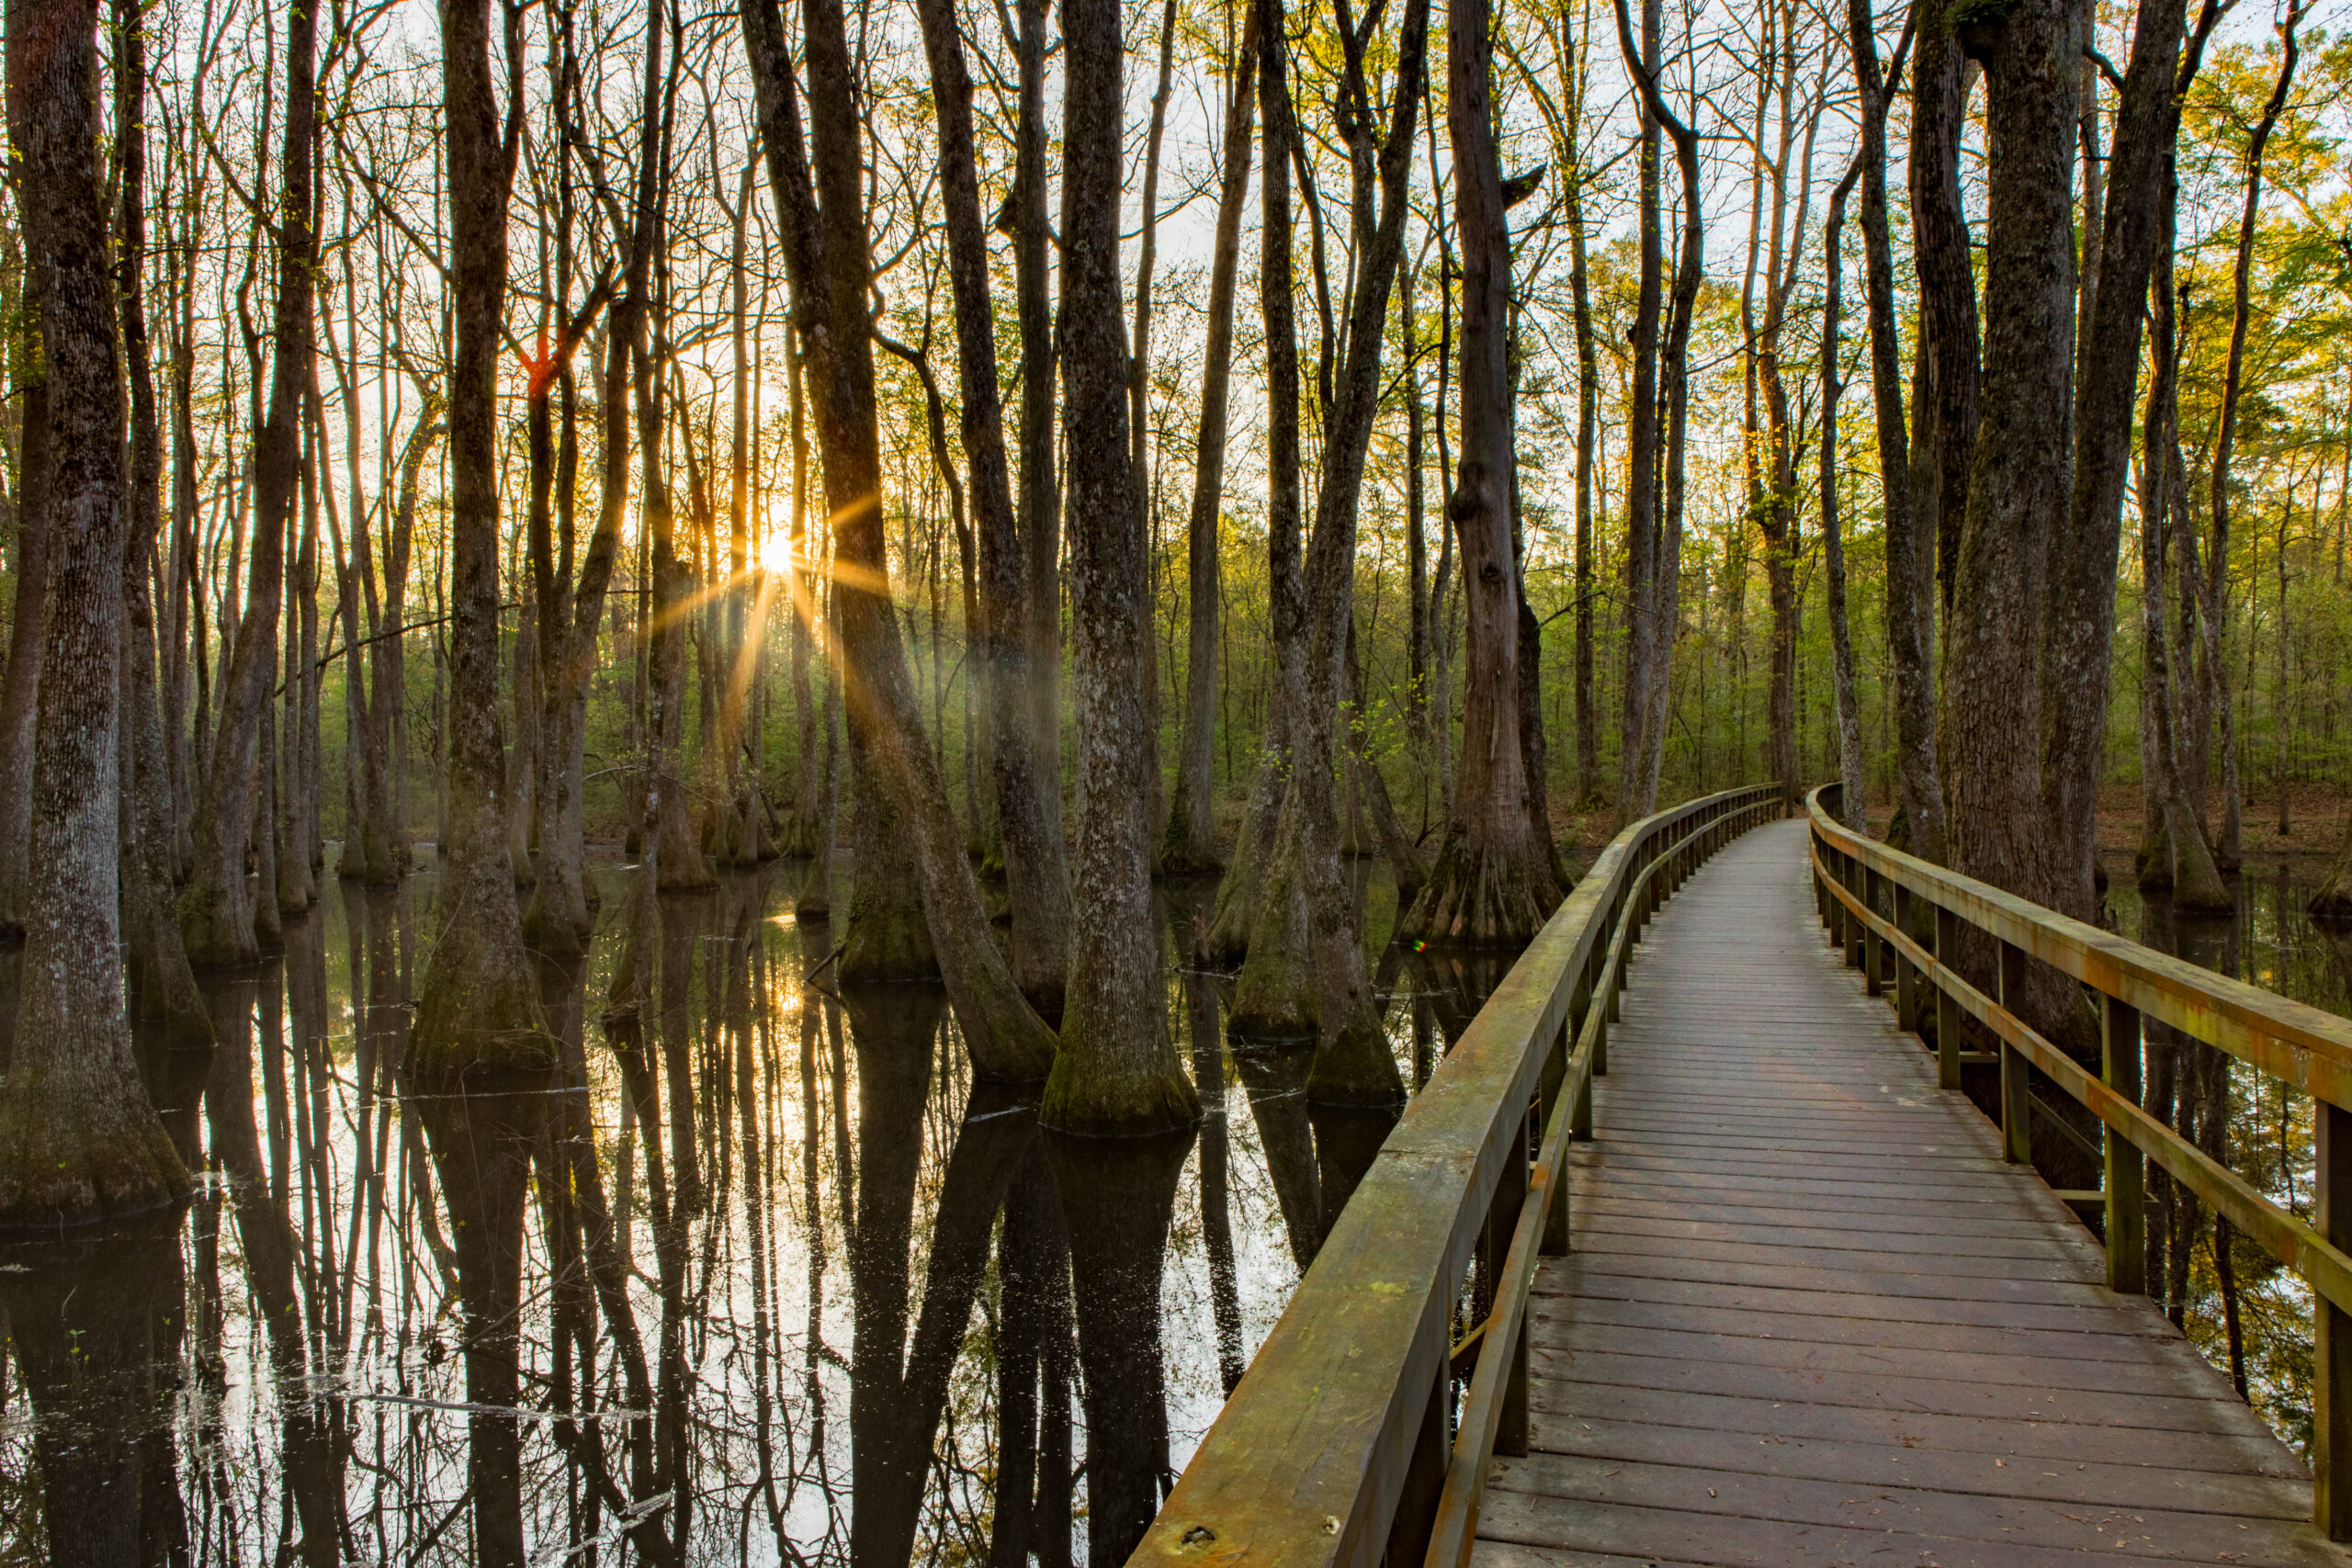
{"x": 849, "y": 1307}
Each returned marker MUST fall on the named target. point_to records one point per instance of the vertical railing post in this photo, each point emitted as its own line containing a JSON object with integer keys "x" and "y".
{"x": 1502, "y": 1219}
{"x": 2331, "y": 1452}
{"x": 2017, "y": 1127}
{"x": 1947, "y": 1007}
{"x": 1873, "y": 981}
{"x": 1906, "y": 974}
{"x": 1424, "y": 1483}
{"x": 1555, "y": 1203}
{"x": 2127, "y": 1220}
{"x": 1593, "y": 967}
{"x": 1846, "y": 869}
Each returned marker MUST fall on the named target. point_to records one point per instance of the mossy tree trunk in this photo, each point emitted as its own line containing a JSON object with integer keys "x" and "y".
{"x": 1117, "y": 1071}
{"x": 1491, "y": 882}
{"x": 78, "y": 1139}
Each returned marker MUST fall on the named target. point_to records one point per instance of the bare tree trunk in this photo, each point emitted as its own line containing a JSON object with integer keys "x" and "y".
{"x": 28, "y": 637}
{"x": 1189, "y": 842}
{"x": 1640, "y": 454}
{"x": 1490, "y": 884}
{"x": 1036, "y": 875}
{"x": 829, "y": 264}
{"x": 1666, "y": 615}
{"x": 2023, "y": 469}
{"x": 1946, "y": 423}
{"x": 78, "y": 1138}
{"x": 1909, "y": 548}
{"x": 1841, "y": 638}
{"x": 1040, "y": 502}
{"x": 157, "y": 961}
{"x": 2184, "y": 859}
{"x": 2077, "y": 664}
{"x": 1588, "y": 433}
{"x": 2216, "y": 600}
{"x": 1305, "y": 955}
{"x": 216, "y": 912}
{"x": 1118, "y": 1070}
{"x": 1240, "y": 895}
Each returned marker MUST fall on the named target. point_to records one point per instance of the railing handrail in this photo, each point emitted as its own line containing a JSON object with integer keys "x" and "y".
{"x": 1342, "y": 1418}
{"x": 2306, "y": 1046}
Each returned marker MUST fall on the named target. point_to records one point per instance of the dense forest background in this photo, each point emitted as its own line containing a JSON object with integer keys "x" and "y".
{"x": 1770, "y": 89}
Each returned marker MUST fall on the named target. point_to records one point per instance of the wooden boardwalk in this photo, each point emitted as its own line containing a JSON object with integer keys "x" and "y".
{"x": 1813, "y": 1319}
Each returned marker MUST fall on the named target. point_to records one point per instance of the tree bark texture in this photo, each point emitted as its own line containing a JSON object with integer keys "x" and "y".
{"x": 478, "y": 1015}
{"x": 1909, "y": 548}
{"x": 1036, "y": 869}
{"x": 2021, "y": 474}
{"x": 1116, "y": 1071}
{"x": 1490, "y": 885}
{"x": 78, "y": 1139}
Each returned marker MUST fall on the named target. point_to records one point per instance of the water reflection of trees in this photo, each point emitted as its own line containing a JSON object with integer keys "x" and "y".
{"x": 752, "y": 1271}
{"x": 2248, "y": 1315}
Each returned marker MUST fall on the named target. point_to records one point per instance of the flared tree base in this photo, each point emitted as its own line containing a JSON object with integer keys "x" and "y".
{"x": 1481, "y": 898}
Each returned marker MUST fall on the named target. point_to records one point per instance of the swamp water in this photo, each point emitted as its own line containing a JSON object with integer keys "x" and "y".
{"x": 793, "y": 1288}
{"x": 2256, "y": 1125}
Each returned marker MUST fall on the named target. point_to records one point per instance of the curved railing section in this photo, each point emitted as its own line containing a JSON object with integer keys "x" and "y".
{"x": 1881, "y": 906}
{"x": 1345, "y": 1442}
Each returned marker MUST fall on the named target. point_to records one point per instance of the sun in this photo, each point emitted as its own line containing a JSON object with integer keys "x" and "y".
{"x": 775, "y": 551}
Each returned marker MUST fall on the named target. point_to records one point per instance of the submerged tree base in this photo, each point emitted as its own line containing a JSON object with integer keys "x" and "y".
{"x": 1480, "y": 898}
{"x": 1108, "y": 1087}
{"x": 69, "y": 1157}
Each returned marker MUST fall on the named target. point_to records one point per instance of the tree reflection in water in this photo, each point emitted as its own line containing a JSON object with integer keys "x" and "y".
{"x": 753, "y": 1272}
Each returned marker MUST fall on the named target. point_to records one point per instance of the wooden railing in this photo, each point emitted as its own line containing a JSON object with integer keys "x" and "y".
{"x": 1873, "y": 898}
{"x": 1343, "y": 1443}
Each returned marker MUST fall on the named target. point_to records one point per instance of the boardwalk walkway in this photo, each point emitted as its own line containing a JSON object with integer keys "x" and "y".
{"x": 1813, "y": 1319}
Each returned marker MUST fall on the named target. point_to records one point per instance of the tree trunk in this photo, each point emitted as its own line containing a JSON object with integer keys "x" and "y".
{"x": 1116, "y": 1070}
{"x": 1640, "y": 452}
{"x": 829, "y": 262}
{"x": 78, "y": 1138}
{"x": 478, "y": 1015}
{"x": 216, "y": 910}
{"x": 1040, "y": 502}
{"x": 1909, "y": 548}
{"x": 1833, "y": 545}
{"x": 1948, "y": 418}
{"x": 2077, "y": 664}
{"x": 1035, "y": 874}
{"x": 1241, "y": 896}
{"x": 2023, "y": 468}
{"x": 1305, "y": 955}
{"x": 158, "y": 966}
{"x": 1490, "y": 884}
{"x": 2186, "y": 861}
{"x": 1189, "y": 842}
{"x": 2216, "y": 597}
{"x": 20, "y": 688}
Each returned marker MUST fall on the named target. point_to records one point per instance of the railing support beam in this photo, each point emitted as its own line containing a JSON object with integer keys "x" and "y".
{"x": 2331, "y": 1454}
{"x": 2017, "y": 1113}
{"x": 2127, "y": 1219}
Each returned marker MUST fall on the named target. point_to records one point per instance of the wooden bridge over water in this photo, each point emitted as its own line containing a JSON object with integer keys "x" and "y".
{"x": 1691, "y": 1253}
